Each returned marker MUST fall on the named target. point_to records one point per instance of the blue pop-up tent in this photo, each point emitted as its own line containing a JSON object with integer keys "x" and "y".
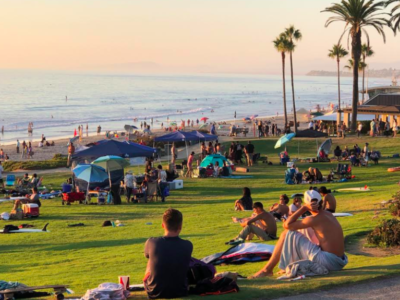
{"x": 112, "y": 147}
{"x": 204, "y": 137}
{"x": 177, "y": 136}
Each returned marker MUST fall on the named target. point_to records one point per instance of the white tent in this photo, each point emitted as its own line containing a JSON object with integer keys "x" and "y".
{"x": 332, "y": 117}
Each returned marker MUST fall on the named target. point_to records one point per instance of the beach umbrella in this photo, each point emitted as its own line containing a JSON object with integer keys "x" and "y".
{"x": 130, "y": 128}
{"x": 203, "y": 126}
{"x": 283, "y": 140}
{"x": 75, "y": 134}
{"x": 72, "y": 140}
{"x": 326, "y": 146}
{"x": 246, "y": 119}
{"x": 204, "y": 119}
{"x": 111, "y": 163}
{"x": 253, "y": 117}
{"x": 90, "y": 173}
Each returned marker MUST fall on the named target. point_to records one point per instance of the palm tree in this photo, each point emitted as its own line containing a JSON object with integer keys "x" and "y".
{"x": 282, "y": 45}
{"x": 395, "y": 20}
{"x": 350, "y": 65}
{"x": 366, "y": 51}
{"x": 292, "y": 34}
{"x": 357, "y": 16}
{"x": 338, "y": 52}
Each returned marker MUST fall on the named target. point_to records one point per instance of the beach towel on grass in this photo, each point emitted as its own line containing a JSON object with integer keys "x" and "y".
{"x": 240, "y": 254}
{"x": 304, "y": 267}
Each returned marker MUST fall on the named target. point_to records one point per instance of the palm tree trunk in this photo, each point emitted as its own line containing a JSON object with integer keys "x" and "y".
{"x": 284, "y": 89}
{"x": 363, "y": 81}
{"x": 339, "y": 119}
{"x": 294, "y": 100}
{"x": 356, "y": 55}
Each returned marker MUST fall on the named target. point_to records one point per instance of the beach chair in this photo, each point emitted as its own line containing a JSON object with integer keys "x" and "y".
{"x": 10, "y": 180}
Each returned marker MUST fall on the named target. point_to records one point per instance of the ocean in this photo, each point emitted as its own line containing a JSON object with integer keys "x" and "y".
{"x": 58, "y": 102}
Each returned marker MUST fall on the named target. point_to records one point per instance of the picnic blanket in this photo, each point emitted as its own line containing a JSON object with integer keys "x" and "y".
{"x": 240, "y": 254}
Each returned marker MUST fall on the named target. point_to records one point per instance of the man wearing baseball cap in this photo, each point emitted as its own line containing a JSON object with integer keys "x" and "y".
{"x": 294, "y": 246}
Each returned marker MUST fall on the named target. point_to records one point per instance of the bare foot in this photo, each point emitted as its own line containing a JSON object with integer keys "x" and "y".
{"x": 281, "y": 272}
{"x": 261, "y": 274}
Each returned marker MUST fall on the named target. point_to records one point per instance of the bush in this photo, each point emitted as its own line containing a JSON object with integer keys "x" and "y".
{"x": 387, "y": 234}
{"x": 58, "y": 161}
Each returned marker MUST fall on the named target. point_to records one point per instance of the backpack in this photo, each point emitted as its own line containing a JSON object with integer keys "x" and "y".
{"x": 215, "y": 286}
{"x": 199, "y": 271}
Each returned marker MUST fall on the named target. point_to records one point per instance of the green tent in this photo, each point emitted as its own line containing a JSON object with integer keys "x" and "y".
{"x": 213, "y": 158}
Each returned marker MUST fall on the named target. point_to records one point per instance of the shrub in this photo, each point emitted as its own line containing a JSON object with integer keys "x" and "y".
{"x": 387, "y": 234}
{"x": 58, "y": 161}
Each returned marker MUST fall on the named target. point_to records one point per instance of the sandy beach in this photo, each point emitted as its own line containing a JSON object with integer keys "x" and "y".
{"x": 60, "y": 147}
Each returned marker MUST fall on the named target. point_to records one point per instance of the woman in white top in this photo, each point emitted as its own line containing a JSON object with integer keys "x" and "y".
{"x": 394, "y": 128}
{"x": 295, "y": 206}
{"x": 162, "y": 175}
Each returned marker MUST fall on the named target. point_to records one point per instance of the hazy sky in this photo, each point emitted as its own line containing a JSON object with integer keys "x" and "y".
{"x": 177, "y": 35}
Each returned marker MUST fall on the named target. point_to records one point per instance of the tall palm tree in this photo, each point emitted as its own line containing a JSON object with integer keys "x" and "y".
{"x": 366, "y": 51}
{"x": 350, "y": 65}
{"x": 282, "y": 45}
{"x": 395, "y": 20}
{"x": 357, "y": 16}
{"x": 338, "y": 52}
{"x": 292, "y": 34}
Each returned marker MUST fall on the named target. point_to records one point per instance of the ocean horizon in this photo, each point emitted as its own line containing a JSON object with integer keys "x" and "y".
{"x": 58, "y": 102}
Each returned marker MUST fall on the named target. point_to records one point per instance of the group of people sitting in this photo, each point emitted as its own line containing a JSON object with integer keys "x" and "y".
{"x": 215, "y": 170}
{"x": 3, "y": 156}
{"x": 357, "y": 156}
{"x": 28, "y": 182}
{"x": 311, "y": 233}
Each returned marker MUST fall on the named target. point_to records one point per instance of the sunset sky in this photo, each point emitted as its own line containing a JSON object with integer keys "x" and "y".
{"x": 174, "y": 35}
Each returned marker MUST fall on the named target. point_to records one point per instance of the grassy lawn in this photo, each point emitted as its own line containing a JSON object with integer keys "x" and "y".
{"x": 84, "y": 257}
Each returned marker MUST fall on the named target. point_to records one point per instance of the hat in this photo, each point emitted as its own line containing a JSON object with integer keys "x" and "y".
{"x": 311, "y": 195}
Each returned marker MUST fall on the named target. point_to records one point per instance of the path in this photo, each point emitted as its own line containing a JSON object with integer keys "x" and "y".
{"x": 372, "y": 290}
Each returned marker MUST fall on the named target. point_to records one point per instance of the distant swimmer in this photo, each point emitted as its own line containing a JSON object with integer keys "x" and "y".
{"x": 66, "y": 98}
{"x": 52, "y": 116}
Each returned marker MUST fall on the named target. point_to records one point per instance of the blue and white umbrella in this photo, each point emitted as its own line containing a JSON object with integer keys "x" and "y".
{"x": 90, "y": 173}
{"x": 283, "y": 140}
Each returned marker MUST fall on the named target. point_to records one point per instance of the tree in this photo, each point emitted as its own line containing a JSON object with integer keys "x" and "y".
{"x": 366, "y": 51}
{"x": 338, "y": 52}
{"x": 292, "y": 34}
{"x": 395, "y": 13}
{"x": 357, "y": 16}
{"x": 350, "y": 65}
{"x": 282, "y": 45}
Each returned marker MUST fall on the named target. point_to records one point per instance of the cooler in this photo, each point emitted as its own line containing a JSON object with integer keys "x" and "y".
{"x": 31, "y": 209}
{"x": 176, "y": 184}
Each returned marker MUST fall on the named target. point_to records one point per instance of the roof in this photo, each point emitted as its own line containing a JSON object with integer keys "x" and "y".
{"x": 332, "y": 117}
{"x": 378, "y": 88}
{"x": 384, "y": 100}
{"x": 375, "y": 109}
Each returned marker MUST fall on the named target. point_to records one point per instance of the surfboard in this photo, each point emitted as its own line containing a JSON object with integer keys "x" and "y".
{"x": 361, "y": 189}
{"x": 28, "y": 230}
{"x": 338, "y": 215}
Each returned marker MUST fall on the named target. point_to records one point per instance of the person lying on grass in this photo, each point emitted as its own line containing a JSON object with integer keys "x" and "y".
{"x": 294, "y": 246}
{"x": 262, "y": 224}
{"x": 168, "y": 260}
{"x": 246, "y": 202}
{"x": 280, "y": 209}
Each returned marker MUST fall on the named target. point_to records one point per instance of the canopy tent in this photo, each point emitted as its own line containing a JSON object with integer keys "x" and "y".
{"x": 177, "y": 136}
{"x": 204, "y": 137}
{"x": 112, "y": 147}
{"x": 332, "y": 117}
{"x": 213, "y": 158}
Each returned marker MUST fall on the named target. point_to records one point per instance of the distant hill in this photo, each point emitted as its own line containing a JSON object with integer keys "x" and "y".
{"x": 384, "y": 73}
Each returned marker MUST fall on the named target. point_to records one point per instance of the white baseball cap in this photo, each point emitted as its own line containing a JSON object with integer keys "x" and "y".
{"x": 311, "y": 195}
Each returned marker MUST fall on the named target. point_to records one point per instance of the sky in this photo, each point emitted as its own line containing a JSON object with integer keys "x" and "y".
{"x": 232, "y": 36}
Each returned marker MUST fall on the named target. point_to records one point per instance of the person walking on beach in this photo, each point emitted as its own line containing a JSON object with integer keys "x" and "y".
{"x": 87, "y": 129}
{"x": 71, "y": 151}
{"x": 98, "y": 130}
{"x": 23, "y": 153}
{"x": 17, "y": 146}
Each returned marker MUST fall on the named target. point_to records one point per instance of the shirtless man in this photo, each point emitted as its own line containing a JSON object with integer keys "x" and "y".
{"x": 280, "y": 209}
{"x": 294, "y": 246}
{"x": 262, "y": 224}
{"x": 328, "y": 201}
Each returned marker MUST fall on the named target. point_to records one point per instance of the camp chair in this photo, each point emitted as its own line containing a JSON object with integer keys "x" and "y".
{"x": 343, "y": 170}
{"x": 10, "y": 180}
{"x": 256, "y": 157}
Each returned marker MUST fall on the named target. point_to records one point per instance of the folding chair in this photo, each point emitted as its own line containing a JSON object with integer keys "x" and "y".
{"x": 10, "y": 180}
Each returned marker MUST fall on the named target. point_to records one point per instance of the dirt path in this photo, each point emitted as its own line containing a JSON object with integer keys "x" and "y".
{"x": 372, "y": 290}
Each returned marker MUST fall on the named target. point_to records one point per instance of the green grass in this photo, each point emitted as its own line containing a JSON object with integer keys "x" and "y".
{"x": 84, "y": 257}
{"x": 57, "y": 161}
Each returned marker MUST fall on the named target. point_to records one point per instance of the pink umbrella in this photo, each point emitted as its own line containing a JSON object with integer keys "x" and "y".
{"x": 75, "y": 133}
{"x": 204, "y": 119}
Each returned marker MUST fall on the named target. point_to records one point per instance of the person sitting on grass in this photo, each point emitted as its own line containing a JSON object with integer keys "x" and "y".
{"x": 168, "y": 260}
{"x": 328, "y": 201}
{"x": 246, "y": 202}
{"x": 262, "y": 224}
{"x": 216, "y": 169}
{"x": 33, "y": 198}
{"x": 295, "y": 206}
{"x": 280, "y": 209}
{"x": 225, "y": 171}
{"x": 24, "y": 181}
{"x": 294, "y": 246}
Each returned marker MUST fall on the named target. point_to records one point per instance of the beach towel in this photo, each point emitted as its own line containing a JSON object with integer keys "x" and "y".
{"x": 240, "y": 254}
{"x": 304, "y": 267}
{"x": 297, "y": 247}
